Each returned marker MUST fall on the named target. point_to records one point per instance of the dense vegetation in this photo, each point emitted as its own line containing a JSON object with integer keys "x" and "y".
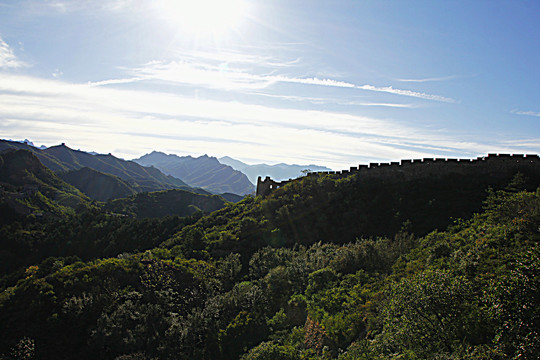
{"x": 322, "y": 268}
{"x": 165, "y": 203}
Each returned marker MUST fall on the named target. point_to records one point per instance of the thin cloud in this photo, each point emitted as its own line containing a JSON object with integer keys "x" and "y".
{"x": 236, "y": 71}
{"x": 235, "y": 57}
{"x": 8, "y": 58}
{"x": 113, "y": 82}
{"x": 96, "y": 116}
{"x": 442, "y": 78}
{"x": 392, "y": 105}
{"x": 57, "y": 73}
{"x": 228, "y": 77}
{"x": 391, "y": 90}
{"x": 337, "y": 101}
{"x": 523, "y": 143}
{"x": 70, "y": 6}
{"x": 527, "y": 113}
{"x": 310, "y": 81}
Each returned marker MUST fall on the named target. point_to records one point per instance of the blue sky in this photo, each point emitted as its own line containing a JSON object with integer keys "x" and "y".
{"x": 335, "y": 83}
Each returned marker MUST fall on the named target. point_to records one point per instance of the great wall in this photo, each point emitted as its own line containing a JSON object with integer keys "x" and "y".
{"x": 490, "y": 165}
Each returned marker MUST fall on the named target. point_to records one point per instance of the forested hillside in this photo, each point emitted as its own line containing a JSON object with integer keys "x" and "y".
{"x": 322, "y": 268}
{"x": 97, "y": 185}
{"x": 61, "y": 159}
{"x": 27, "y": 188}
{"x": 165, "y": 203}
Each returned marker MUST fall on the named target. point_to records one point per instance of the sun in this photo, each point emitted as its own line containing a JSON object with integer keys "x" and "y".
{"x": 201, "y": 18}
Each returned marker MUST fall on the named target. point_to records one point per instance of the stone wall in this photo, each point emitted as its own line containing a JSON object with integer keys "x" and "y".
{"x": 490, "y": 165}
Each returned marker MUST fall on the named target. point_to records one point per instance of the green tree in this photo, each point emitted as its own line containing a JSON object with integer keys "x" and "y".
{"x": 433, "y": 311}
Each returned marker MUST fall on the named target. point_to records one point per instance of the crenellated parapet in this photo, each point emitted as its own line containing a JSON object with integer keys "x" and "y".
{"x": 409, "y": 169}
{"x": 264, "y": 187}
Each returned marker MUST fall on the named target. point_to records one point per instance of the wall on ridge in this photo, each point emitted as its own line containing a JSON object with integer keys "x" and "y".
{"x": 493, "y": 165}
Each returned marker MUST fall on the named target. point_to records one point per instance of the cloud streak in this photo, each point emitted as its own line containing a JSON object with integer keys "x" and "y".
{"x": 8, "y": 58}
{"x": 338, "y": 101}
{"x": 442, "y": 78}
{"x": 94, "y": 117}
{"x": 391, "y": 90}
{"x": 225, "y": 76}
{"x": 527, "y": 113}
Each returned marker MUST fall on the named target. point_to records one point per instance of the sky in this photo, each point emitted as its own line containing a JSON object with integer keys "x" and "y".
{"x": 328, "y": 82}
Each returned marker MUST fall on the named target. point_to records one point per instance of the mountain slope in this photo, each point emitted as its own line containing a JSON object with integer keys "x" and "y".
{"x": 97, "y": 185}
{"x": 333, "y": 209}
{"x": 325, "y": 288}
{"x": 61, "y": 158}
{"x": 165, "y": 203}
{"x": 30, "y": 187}
{"x": 139, "y": 177}
{"x": 205, "y": 172}
{"x": 46, "y": 159}
{"x": 278, "y": 172}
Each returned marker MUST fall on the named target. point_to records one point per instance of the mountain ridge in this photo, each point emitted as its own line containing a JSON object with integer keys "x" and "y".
{"x": 205, "y": 172}
{"x": 61, "y": 159}
{"x": 278, "y": 172}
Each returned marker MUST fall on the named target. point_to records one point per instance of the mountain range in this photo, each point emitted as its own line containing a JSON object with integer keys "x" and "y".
{"x": 205, "y": 172}
{"x": 28, "y": 189}
{"x": 62, "y": 159}
{"x": 104, "y": 176}
{"x": 277, "y": 172}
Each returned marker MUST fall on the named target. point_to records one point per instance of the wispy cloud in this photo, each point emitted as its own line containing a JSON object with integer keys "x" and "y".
{"x": 8, "y": 58}
{"x": 71, "y": 6}
{"x": 114, "y": 81}
{"x": 57, "y": 73}
{"x": 442, "y": 78}
{"x": 391, "y": 90}
{"x": 94, "y": 117}
{"x": 338, "y": 101}
{"x": 230, "y": 75}
{"x": 528, "y": 113}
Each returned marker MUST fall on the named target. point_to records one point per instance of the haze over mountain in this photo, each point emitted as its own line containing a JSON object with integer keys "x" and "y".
{"x": 205, "y": 172}
{"x": 61, "y": 158}
{"x": 277, "y": 172}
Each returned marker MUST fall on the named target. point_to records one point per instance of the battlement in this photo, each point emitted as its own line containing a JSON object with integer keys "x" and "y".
{"x": 264, "y": 187}
{"x": 408, "y": 169}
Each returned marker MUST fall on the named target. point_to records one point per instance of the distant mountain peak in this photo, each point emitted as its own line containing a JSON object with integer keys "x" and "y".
{"x": 204, "y": 171}
{"x": 278, "y": 172}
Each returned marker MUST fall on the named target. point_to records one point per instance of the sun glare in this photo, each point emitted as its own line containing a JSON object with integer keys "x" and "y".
{"x": 204, "y": 17}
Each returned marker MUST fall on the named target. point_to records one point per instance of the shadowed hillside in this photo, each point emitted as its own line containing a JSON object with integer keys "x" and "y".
{"x": 139, "y": 177}
{"x": 61, "y": 158}
{"x": 29, "y": 187}
{"x": 165, "y": 203}
{"x": 97, "y": 185}
{"x": 326, "y": 267}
